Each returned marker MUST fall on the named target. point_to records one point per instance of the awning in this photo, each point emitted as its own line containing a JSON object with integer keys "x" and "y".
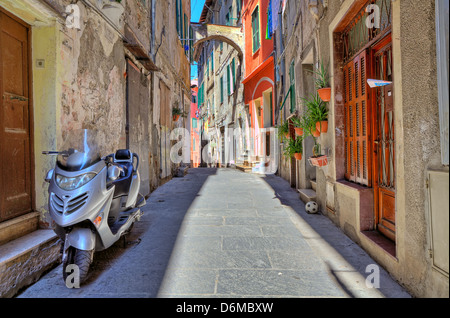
{"x": 132, "y": 43}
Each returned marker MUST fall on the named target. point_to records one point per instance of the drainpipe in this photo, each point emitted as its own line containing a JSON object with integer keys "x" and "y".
{"x": 152, "y": 35}
{"x": 281, "y": 50}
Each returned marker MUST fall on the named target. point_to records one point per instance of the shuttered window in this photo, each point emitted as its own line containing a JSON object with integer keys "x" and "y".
{"x": 292, "y": 86}
{"x": 177, "y": 15}
{"x": 357, "y": 160}
{"x": 185, "y": 34}
{"x": 228, "y": 80}
{"x": 255, "y": 30}
{"x": 221, "y": 90}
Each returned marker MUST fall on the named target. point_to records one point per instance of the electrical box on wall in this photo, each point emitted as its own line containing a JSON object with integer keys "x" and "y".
{"x": 438, "y": 199}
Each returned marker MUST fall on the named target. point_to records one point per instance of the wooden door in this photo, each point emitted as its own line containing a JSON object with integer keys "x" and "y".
{"x": 15, "y": 164}
{"x": 384, "y": 140}
{"x": 357, "y": 122}
{"x": 166, "y": 124}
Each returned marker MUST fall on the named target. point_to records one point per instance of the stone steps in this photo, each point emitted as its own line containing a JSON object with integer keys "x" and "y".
{"x": 307, "y": 195}
{"x": 24, "y": 258}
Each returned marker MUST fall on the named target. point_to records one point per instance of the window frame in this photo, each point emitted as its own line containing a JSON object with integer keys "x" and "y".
{"x": 256, "y": 31}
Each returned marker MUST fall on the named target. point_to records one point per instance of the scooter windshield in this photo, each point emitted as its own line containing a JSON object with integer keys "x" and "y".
{"x": 80, "y": 150}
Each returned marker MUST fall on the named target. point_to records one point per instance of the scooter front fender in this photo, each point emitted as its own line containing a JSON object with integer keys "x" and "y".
{"x": 81, "y": 238}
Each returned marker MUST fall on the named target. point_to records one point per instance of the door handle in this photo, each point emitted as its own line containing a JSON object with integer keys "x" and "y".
{"x": 20, "y": 98}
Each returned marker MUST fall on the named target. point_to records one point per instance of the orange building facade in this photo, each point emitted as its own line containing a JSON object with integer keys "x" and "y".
{"x": 259, "y": 71}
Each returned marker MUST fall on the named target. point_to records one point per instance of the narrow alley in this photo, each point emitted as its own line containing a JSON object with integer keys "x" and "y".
{"x": 226, "y": 233}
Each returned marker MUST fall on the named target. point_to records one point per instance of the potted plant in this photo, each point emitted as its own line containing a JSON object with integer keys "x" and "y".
{"x": 298, "y": 125}
{"x": 283, "y": 130}
{"x": 323, "y": 83}
{"x": 294, "y": 148}
{"x": 177, "y": 112}
{"x": 318, "y": 114}
{"x": 318, "y": 160}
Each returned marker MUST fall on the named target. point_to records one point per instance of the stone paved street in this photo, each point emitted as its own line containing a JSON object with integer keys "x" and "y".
{"x": 226, "y": 233}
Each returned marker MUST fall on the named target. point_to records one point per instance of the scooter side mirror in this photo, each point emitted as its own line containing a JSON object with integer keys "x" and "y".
{"x": 49, "y": 175}
{"x": 113, "y": 172}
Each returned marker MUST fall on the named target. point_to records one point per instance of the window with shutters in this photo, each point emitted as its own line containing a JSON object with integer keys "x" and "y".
{"x": 255, "y": 30}
{"x": 292, "y": 86}
{"x": 228, "y": 80}
{"x": 356, "y": 104}
{"x": 221, "y": 90}
{"x": 177, "y": 15}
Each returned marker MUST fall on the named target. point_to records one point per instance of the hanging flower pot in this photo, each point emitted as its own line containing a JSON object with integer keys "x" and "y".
{"x": 315, "y": 132}
{"x": 322, "y": 126}
{"x": 299, "y": 131}
{"x": 319, "y": 161}
{"x": 286, "y": 135}
{"x": 325, "y": 94}
{"x": 176, "y": 117}
{"x": 298, "y": 156}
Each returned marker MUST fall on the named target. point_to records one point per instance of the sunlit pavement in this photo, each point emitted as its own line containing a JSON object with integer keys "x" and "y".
{"x": 226, "y": 233}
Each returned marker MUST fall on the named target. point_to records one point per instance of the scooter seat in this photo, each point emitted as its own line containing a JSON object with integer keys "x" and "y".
{"x": 122, "y": 184}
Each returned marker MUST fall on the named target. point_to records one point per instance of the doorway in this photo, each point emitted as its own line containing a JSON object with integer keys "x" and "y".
{"x": 384, "y": 140}
{"x": 369, "y": 130}
{"x": 15, "y": 118}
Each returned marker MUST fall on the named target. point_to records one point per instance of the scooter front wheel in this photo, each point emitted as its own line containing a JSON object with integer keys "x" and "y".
{"x": 82, "y": 260}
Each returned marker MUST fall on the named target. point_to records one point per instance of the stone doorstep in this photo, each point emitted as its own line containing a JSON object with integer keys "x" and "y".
{"x": 244, "y": 168}
{"x": 18, "y": 227}
{"x": 23, "y": 260}
{"x": 307, "y": 195}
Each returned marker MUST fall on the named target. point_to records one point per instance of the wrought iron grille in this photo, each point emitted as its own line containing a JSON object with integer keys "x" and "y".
{"x": 357, "y": 34}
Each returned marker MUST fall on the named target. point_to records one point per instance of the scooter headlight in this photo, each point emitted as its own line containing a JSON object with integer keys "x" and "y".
{"x": 67, "y": 183}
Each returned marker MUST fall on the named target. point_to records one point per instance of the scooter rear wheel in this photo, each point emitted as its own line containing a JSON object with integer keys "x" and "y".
{"x": 80, "y": 258}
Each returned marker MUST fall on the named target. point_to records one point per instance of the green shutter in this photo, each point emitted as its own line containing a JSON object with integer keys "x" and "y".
{"x": 228, "y": 80}
{"x": 191, "y": 44}
{"x": 177, "y": 9}
{"x": 212, "y": 61}
{"x": 221, "y": 89}
{"x": 185, "y": 35}
{"x": 255, "y": 30}
{"x": 292, "y": 80}
{"x": 233, "y": 70}
{"x": 181, "y": 21}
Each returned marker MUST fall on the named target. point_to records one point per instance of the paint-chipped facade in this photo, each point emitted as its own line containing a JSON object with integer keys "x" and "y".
{"x": 92, "y": 65}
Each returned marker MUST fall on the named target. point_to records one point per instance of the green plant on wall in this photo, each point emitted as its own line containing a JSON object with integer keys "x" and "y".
{"x": 322, "y": 77}
{"x": 283, "y": 129}
{"x": 295, "y": 145}
{"x": 178, "y": 111}
{"x": 305, "y": 122}
{"x": 317, "y": 150}
{"x": 316, "y": 109}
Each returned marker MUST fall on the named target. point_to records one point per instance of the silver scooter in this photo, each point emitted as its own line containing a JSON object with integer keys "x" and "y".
{"x": 93, "y": 200}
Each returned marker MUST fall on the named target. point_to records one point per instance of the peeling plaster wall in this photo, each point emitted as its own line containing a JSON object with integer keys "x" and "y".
{"x": 81, "y": 86}
{"x": 93, "y": 81}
